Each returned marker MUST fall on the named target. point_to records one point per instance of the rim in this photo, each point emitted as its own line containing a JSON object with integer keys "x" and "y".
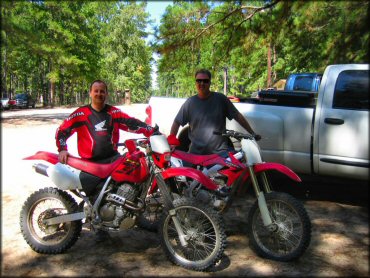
{"x": 47, "y": 234}
{"x": 288, "y": 233}
{"x": 200, "y": 233}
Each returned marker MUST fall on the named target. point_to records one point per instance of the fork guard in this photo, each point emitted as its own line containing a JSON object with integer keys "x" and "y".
{"x": 186, "y": 172}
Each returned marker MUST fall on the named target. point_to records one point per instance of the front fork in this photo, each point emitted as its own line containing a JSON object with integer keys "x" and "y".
{"x": 266, "y": 218}
{"x": 168, "y": 201}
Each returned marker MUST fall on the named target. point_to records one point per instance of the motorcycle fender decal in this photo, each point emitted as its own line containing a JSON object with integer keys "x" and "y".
{"x": 278, "y": 167}
{"x": 42, "y": 155}
{"x": 186, "y": 172}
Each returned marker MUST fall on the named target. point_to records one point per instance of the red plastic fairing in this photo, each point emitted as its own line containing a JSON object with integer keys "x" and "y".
{"x": 278, "y": 167}
{"x": 148, "y": 111}
{"x": 41, "y": 155}
{"x": 96, "y": 169}
{"x": 132, "y": 169}
{"x": 172, "y": 140}
{"x": 187, "y": 172}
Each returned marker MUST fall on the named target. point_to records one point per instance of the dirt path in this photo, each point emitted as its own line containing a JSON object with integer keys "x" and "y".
{"x": 339, "y": 244}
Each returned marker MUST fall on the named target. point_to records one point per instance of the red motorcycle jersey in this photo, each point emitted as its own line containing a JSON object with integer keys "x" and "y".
{"x": 98, "y": 132}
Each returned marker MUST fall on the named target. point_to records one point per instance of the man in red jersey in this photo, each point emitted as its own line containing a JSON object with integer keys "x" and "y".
{"x": 97, "y": 126}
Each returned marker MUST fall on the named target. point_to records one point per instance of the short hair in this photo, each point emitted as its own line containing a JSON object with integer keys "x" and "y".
{"x": 205, "y": 71}
{"x": 99, "y": 81}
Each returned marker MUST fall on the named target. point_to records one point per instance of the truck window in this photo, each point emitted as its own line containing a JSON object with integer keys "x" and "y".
{"x": 352, "y": 90}
{"x": 303, "y": 83}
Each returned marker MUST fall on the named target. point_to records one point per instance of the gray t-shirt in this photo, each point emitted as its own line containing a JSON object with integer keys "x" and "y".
{"x": 204, "y": 117}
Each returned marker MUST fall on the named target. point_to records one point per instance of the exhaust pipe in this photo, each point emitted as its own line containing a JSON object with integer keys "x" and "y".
{"x": 41, "y": 169}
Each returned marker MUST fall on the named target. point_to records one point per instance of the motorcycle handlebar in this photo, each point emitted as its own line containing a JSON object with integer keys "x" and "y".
{"x": 238, "y": 135}
{"x": 141, "y": 142}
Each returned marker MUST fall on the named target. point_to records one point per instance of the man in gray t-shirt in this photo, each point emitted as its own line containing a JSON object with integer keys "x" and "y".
{"x": 205, "y": 113}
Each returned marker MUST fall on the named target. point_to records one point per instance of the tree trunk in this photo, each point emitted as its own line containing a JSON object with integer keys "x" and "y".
{"x": 52, "y": 92}
{"x": 269, "y": 66}
{"x": 52, "y": 87}
{"x": 3, "y": 84}
{"x": 225, "y": 81}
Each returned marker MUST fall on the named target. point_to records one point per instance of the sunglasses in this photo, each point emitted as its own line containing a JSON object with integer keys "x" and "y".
{"x": 204, "y": 81}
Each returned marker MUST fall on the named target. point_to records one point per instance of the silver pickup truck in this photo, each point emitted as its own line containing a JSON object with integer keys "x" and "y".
{"x": 326, "y": 136}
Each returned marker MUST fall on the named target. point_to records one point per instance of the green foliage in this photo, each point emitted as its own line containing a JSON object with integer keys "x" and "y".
{"x": 54, "y": 49}
{"x": 302, "y": 36}
{"x": 126, "y": 56}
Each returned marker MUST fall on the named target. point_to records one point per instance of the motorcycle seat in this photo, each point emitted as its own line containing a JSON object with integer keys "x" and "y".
{"x": 97, "y": 169}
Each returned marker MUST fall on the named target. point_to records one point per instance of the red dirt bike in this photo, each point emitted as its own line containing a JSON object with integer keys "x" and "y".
{"x": 113, "y": 198}
{"x": 278, "y": 225}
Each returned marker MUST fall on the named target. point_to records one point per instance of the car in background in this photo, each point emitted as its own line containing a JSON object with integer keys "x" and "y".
{"x": 7, "y": 103}
{"x": 24, "y": 101}
{"x": 233, "y": 99}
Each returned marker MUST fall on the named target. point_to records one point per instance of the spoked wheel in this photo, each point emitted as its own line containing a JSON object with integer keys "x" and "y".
{"x": 49, "y": 239}
{"x": 292, "y": 228}
{"x": 204, "y": 234}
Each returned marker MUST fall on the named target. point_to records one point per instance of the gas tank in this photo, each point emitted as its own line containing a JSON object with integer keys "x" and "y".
{"x": 133, "y": 168}
{"x": 251, "y": 151}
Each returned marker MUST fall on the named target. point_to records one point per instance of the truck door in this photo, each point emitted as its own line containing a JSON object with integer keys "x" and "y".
{"x": 343, "y": 131}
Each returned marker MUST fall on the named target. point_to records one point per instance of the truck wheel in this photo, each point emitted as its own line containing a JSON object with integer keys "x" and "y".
{"x": 292, "y": 233}
{"x": 43, "y": 238}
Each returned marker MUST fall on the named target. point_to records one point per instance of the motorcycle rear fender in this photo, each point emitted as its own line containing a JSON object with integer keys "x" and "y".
{"x": 46, "y": 156}
{"x": 186, "y": 172}
{"x": 267, "y": 166}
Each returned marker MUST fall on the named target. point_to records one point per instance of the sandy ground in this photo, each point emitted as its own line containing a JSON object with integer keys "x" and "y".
{"x": 340, "y": 229}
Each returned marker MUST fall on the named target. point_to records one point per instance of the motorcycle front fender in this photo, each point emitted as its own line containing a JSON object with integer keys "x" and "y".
{"x": 267, "y": 166}
{"x": 46, "y": 156}
{"x": 186, "y": 172}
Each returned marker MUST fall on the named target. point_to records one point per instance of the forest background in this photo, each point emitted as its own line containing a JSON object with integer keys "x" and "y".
{"x": 54, "y": 49}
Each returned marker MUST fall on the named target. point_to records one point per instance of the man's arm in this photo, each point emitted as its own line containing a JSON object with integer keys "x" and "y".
{"x": 244, "y": 123}
{"x": 174, "y": 128}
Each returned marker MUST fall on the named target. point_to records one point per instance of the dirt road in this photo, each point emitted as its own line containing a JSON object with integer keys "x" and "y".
{"x": 340, "y": 225}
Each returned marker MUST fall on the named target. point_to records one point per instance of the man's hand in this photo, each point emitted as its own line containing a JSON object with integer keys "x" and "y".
{"x": 63, "y": 157}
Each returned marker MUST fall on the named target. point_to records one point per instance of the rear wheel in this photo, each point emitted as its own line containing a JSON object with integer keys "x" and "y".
{"x": 49, "y": 239}
{"x": 204, "y": 233}
{"x": 292, "y": 233}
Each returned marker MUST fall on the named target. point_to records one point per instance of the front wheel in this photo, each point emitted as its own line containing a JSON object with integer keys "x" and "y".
{"x": 292, "y": 228}
{"x": 43, "y": 238}
{"x": 204, "y": 233}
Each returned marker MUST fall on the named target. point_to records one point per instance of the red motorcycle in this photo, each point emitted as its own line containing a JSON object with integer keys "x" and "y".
{"x": 278, "y": 225}
{"x": 113, "y": 198}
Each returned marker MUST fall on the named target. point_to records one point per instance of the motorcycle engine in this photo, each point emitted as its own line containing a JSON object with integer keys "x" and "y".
{"x": 113, "y": 210}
